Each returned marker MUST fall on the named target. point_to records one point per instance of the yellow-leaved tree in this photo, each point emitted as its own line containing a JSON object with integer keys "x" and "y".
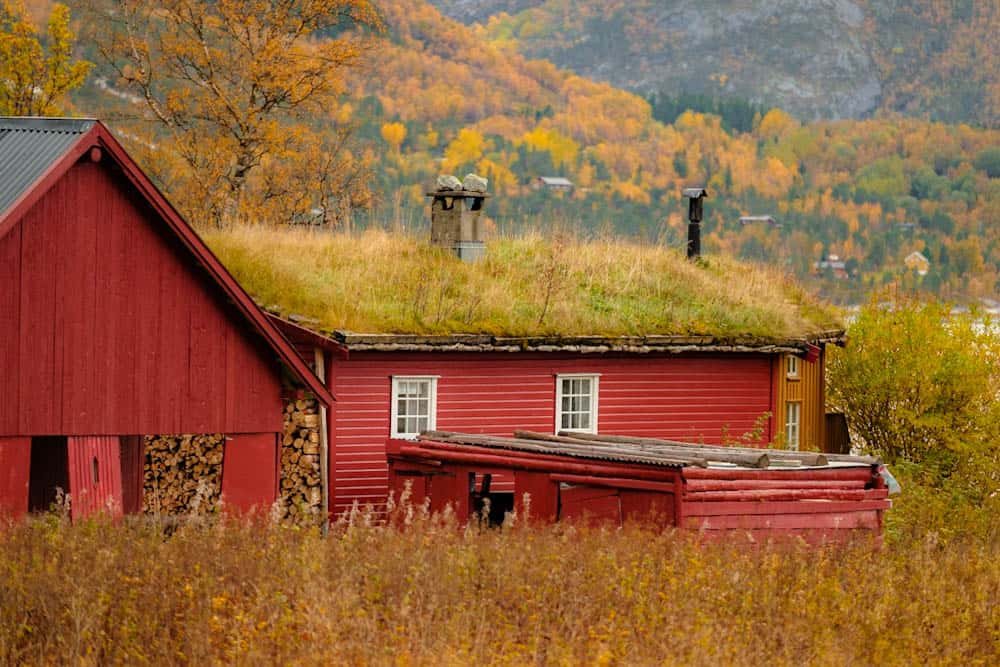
{"x": 238, "y": 95}
{"x": 34, "y": 80}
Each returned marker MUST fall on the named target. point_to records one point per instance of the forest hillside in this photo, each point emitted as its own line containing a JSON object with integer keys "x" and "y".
{"x": 814, "y": 58}
{"x": 854, "y": 198}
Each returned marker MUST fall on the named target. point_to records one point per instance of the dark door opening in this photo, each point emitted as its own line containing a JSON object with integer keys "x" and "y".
{"x": 49, "y": 471}
{"x": 500, "y": 504}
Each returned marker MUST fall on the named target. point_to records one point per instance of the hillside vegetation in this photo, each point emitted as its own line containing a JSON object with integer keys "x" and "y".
{"x": 817, "y": 59}
{"x": 438, "y": 96}
{"x": 377, "y": 282}
{"x": 868, "y": 191}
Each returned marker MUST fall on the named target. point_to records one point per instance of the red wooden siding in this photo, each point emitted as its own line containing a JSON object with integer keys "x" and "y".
{"x": 250, "y": 471}
{"x": 109, "y": 329}
{"x": 95, "y": 478}
{"x": 15, "y": 467}
{"x": 695, "y": 398}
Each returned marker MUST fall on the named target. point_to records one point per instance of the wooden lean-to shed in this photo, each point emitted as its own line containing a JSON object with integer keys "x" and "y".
{"x": 117, "y": 322}
{"x": 612, "y": 480}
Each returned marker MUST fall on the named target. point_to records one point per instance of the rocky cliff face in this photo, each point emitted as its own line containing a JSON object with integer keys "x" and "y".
{"x": 806, "y": 56}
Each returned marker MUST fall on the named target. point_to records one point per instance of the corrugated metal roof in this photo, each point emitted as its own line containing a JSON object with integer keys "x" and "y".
{"x": 29, "y": 146}
{"x": 601, "y": 452}
{"x": 650, "y": 451}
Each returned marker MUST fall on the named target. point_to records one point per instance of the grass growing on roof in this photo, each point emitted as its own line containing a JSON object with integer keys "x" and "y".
{"x": 380, "y": 282}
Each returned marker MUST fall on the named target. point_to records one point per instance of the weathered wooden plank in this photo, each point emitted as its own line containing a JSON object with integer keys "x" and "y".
{"x": 791, "y": 494}
{"x": 77, "y": 280}
{"x": 694, "y": 508}
{"x": 15, "y": 467}
{"x": 40, "y": 404}
{"x": 10, "y": 309}
{"x": 696, "y": 485}
{"x": 843, "y": 520}
{"x": 863, "y": 472}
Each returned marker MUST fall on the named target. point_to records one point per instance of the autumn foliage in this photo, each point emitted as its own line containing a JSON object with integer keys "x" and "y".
{"x": 35, "y": 78}
{"x": 234, "y": 89}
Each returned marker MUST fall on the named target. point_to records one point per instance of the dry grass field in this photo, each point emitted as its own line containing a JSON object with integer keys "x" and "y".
{"x": 431, "y": 593}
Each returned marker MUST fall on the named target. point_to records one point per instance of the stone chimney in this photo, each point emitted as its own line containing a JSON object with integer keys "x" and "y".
{"x": 455, "y": 211}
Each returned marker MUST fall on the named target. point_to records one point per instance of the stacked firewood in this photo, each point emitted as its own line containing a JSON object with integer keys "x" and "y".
{"x": 301, "y": 489}
{"x": 182, "y": 474}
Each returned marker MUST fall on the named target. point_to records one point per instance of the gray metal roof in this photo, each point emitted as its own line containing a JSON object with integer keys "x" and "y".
{"x": 650, "y": 451}
{"x": 29, "y": 146}
{"x": 601, "y": 452}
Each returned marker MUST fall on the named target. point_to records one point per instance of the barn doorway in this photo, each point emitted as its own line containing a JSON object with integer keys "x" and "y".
{"x": 49, "y": 471}
{"x": 481, "y": 495}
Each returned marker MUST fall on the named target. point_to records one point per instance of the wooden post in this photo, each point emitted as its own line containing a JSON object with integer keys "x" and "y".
{"x": 324, "y": 443}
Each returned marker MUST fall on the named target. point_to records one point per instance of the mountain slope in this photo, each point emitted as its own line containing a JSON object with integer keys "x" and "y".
{"x": 814, "y": 58}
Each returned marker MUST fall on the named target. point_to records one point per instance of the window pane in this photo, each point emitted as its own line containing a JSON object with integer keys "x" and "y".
{"x": 412, "y": 400}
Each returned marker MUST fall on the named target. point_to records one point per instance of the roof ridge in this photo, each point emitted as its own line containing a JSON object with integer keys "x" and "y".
{"x": 47, "y": 124}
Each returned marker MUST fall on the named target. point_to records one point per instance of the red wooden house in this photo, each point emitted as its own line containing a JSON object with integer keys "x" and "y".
{"x": 695, "y": 388}
{"x": 116, "y": 322}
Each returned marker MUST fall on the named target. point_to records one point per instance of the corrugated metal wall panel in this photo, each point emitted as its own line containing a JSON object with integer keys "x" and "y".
{"x": 698, "y": 398}
{"x": 95, "y": 478}
{"x": 112, "y": 331}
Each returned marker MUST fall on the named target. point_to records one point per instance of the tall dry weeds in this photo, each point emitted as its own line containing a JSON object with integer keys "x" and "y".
{"x": 432, "y": 592}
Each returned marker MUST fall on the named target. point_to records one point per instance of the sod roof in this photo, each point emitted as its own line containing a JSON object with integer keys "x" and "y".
{"x": 383, "y": 283}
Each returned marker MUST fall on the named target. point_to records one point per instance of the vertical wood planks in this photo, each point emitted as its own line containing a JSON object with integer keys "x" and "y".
{"x": 37, "y": 411}
{"x": 250, "y": 471}
{"x": 113, "y": 330}
{"x": 95, "y": 480}
{"x": 10, "y": 308}
{"x": 15, "y": 470}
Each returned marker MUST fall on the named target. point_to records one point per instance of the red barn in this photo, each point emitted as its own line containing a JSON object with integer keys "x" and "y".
{"x": 116, "y": 322}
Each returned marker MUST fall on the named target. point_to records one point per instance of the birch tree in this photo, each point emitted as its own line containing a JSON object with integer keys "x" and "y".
{"x": 240, "y": 93}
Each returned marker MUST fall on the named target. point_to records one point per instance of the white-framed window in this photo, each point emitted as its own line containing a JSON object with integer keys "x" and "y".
{"x": 792, "y": 367}
{"x": 793, "y": 422}
{"x": 414, "y": 405}
{"x": 576, "y": 402}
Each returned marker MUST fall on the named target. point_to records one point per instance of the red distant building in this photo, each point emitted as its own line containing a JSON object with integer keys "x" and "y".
{"x": 697, "y": 389}
{"x": 117, "y": 322}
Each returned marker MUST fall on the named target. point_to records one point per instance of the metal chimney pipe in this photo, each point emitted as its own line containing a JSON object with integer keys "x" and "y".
{"x": 695, "y": 197}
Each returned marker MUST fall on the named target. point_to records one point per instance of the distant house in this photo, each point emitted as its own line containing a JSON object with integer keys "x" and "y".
{"x": 558, "y": 183}
{"x": 916, "y": 261}
{"x": 834, "y": 264}
{"x": 695, "y": 382}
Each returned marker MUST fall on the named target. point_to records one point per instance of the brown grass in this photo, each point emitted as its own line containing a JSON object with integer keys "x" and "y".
{"x": 377, "y": 282}
{"x": 433, "y": 594}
